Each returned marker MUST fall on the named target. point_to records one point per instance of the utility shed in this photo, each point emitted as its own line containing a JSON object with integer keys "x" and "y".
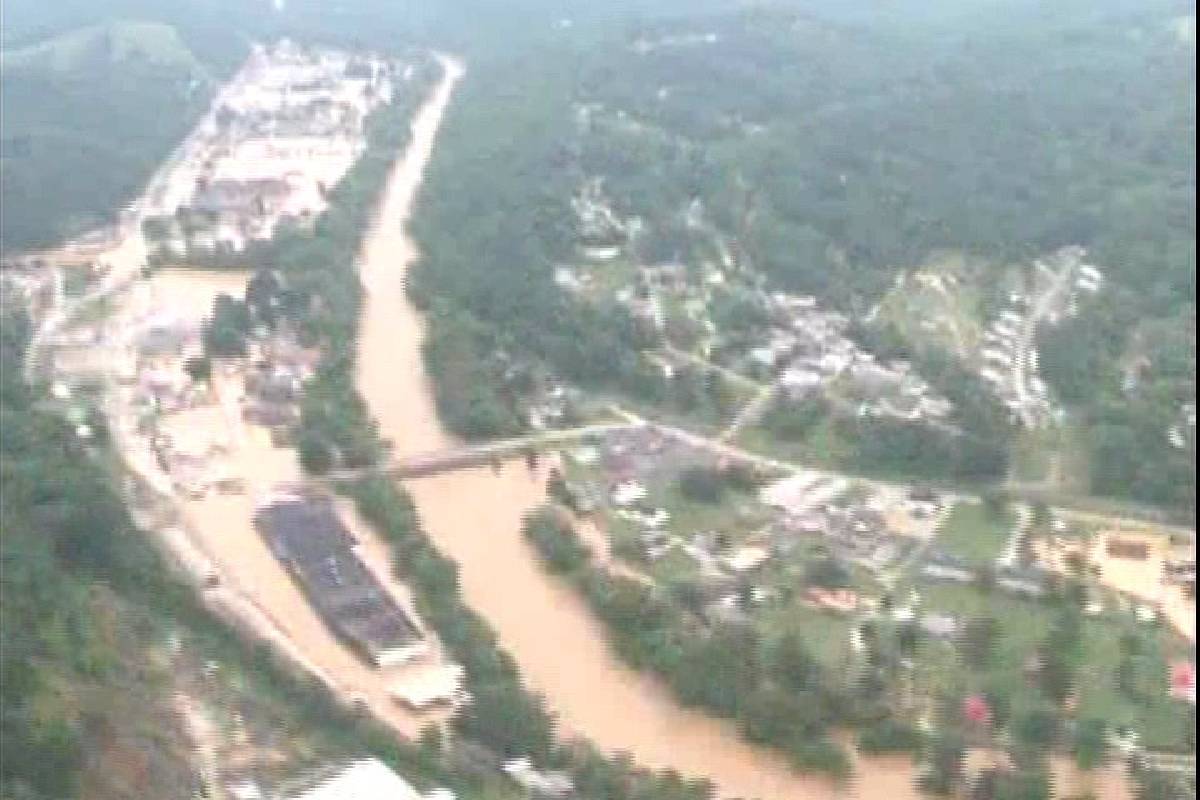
{"x": 367, "y": 779}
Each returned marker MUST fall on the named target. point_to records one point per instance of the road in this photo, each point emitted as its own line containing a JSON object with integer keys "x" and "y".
{"x": 126, "y": 260}
{"x": 750, "y": 412}
{"x": 725, "y": 372}
{"x": 1025, "y": 345}
{"x": 424, "y": 464}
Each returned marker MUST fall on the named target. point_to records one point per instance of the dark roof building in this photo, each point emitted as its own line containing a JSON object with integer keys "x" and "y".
{"x": 305, "y": 534}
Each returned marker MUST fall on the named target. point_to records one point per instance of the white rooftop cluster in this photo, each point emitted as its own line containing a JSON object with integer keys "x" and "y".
{"x": 277, "y": 139}
{"x": 1009, "y": 353}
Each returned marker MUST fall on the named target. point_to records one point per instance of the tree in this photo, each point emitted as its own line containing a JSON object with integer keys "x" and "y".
{"x": 702, "y": 485}
{"x": 1036, "y": 728}
{"x": 557, "y": 489}
{"x": 689, "y": 392}
{"x": 791, "y": 664}
{"x": 944, "y": 762}
{"x": 1041, "y": 516}
{"x": 263, "y": 296}
{"x": 794, "y": 421}
{"x": 225, "y": 332}
{"x": 1090, "y": 744}
{"x": 430, "y": 743}
{"x": 198, "y": 369}
{"x": 827, "y": 572}
{"x": 1056, "y": 676}
{"x": 315, "y": 454}
{"x": 978, "y": 641}
{"x": 996, "y": 502}
{"x": 556, "y": 541}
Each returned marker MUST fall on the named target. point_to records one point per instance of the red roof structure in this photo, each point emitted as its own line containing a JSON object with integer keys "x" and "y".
{"x": 1183, "y": 680}
{"x": 977, "y": 711}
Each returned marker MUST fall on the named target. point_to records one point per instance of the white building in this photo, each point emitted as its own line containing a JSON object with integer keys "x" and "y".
{"x": 368, "y": 779}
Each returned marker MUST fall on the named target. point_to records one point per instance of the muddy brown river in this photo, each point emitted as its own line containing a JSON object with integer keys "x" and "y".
{"x": 474, "y": 517}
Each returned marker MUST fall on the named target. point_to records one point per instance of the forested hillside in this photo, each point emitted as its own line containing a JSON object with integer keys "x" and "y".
{"x": 88, "y": 115}
{"x": 832, "y": 156}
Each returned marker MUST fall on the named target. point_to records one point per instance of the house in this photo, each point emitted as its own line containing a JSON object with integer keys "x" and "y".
{"x": 430, "y": 687}
{"x": 923, "y": 494}
{"x": 627, "y": 493}
{"x": 977, "y": 710}
{"x": 941, "y": 566}
{"x": 1182, "y": 683}
{"x": 939, "y": 626}
{"x": 229, "y": 196}
{"x": 548, "y": 785}
{"x": 566, "y": 278}
{"x": 1123, "y": 548}
{"x": 366, "y": 779}
{"x": 745, "y": 559}
{"x": 843, "y": 601}
{"x": 797, "y": 382}
{"x": 1028, "y": 582}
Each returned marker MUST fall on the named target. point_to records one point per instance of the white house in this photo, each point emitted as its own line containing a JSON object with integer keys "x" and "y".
{"x": 367, "y": 779}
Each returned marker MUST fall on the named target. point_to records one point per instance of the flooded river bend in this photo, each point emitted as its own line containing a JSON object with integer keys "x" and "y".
{"x": 474, "y": 517}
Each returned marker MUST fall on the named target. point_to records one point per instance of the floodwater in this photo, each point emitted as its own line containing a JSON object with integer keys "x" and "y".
{"x": 253, "y": 582}
{"x": 474, "y": 516}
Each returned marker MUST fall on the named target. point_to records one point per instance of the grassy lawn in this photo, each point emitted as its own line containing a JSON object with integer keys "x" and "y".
{"x": 1055, "y": 456}
{"x": 973, "y": 534}
{"x": 737, "y": 514}
{"x": 825, "y": 448}
{"x": 1160, "y": 719}
{"x": 826, "y": 634}
{"x": 822, "y": 447}
{"x": 1023, "y": 626}
{"x": 955, "y": 313}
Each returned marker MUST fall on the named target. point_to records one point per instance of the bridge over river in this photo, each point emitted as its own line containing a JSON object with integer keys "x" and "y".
{"x": 426, "y": 464}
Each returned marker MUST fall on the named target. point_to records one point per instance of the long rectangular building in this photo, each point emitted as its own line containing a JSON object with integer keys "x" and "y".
{"x": 305, "y": 534}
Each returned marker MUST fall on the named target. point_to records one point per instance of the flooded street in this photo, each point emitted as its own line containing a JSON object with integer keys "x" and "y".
{"x": 255, "y": 589}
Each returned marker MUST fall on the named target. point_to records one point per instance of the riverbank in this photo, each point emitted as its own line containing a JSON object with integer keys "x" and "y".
{"x": 474, "y": 517}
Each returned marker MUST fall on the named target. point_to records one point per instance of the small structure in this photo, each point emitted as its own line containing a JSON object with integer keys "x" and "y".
{"x": 940, "y": 626}
{"x": 842, "y": 601}
{"x": 943, "y": 567}
{"x": 745, "y": 559}
{"x": 627, "y": 493}
{"x": 1124, "y": 548}
{"x": 549, "y": 785}
{"x": 430, "y": 687}
{"x": 367, "y": 779}
{"x": 1183, "y": 681}
{"x": 1028, "y": 582}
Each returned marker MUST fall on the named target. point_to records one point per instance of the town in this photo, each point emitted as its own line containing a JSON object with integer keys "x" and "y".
{"x": 768, "y": 465}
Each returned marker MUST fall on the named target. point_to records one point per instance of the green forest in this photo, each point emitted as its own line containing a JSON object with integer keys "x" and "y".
{"x": 834, "y": 155}
{"x": 90, "y": 113}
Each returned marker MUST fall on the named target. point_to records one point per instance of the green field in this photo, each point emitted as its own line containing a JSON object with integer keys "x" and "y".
{"x": 1023, "y": 626}
{"x": 972, "y": 533}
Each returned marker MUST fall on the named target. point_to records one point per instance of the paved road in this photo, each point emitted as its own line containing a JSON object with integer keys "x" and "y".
{"x": 750, "y": 412}
{"x": 1026, "y": 346}
{"x": 733, "y": 377}
{"x": 459, "y": 458}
